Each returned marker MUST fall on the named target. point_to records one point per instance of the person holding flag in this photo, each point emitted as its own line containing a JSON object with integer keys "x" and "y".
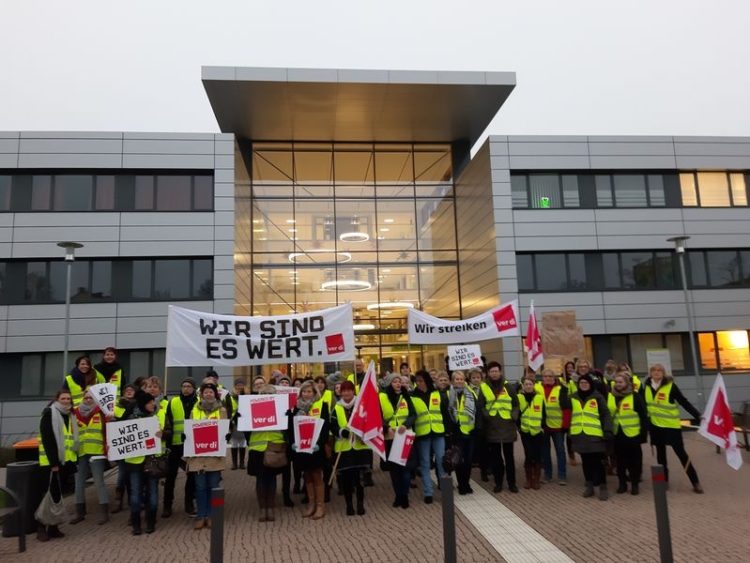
{"x": 662, "y": 398}
{"x": 718, "y": 426}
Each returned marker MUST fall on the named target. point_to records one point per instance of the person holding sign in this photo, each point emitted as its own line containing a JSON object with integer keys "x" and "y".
{"x": 630, "y": 422}
{"x": 80, "y": 378}
{"x": 123, "y": 403}
{"x": 398, "y": 416}
{"x": 178, "y": 409}
{"x": 311, "y": 404}
{"x": 207, "y": 469}
{"x": 91, "y": 440}
{"x": 532, "y": 418}
{"x": 109, "y": 368}
{"x": 432, "y": 411}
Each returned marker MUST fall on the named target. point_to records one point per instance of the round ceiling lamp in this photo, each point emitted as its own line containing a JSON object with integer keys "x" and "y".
{"x": 354, "y": 236}
{"x": 341, "y": 257}
{"x": 346, "y": 285}
{"x": 390, "y": 305}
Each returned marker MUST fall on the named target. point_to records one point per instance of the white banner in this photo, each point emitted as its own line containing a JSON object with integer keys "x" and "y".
{"x": 499, "y": 322}
{"x": 464, "y": 357}
{"x": 104, "y": 394}
{"x": 262, "y": 412}
{"x": 290, "y": 392}
{"x": 195, "y": 338}
{"x": 306, "y": 433}
{"x": 206, "y": 437}
{"x": 401, "y": 447}
{"x": 133, "y": 438}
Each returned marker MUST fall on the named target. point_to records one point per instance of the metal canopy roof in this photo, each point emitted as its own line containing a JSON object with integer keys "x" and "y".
{"x": 278, "y": 104}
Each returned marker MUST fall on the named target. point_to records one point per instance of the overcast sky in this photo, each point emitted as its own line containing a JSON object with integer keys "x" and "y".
{"x": 583, "y": 67}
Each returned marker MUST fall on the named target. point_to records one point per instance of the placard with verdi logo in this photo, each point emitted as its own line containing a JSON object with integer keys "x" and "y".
{"x": 206, "y": 437}
{"x": 262, "y": 412}
{"x": 133, "y": 438}
{"x": 464, "y": 357}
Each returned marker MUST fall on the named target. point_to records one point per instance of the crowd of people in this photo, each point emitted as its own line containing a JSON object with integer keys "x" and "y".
{"x": 461, "y": 420}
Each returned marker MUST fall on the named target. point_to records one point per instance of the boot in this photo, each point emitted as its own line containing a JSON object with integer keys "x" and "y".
{"x": 80, "y": 513}
{"x": 118, "y": 500}
{"x": 349, "y": 503}
{"x": 167, "y": 510}
{"x": 483, "y": 474}
{"x": 270, "y": 506}
{"x": 41, "y": 533}
{"x": 622, "y": 488}
{"x": 589, "y": 490}
{"x": 603, "y": 492}
{"x": 529, "y": 476}
{"x": 288, "y": 502}
{"x": 104, "y": 514}
{"x": 327, "y": 494}
{"x": 320, "y": 505}
{"x": 150, "y": 521}
{"x": 536, "y": 476}
{"x": 199, "y": 523}
{"x": 367, "y": 479}
{"x": 135, "y": 521}
{"x": 54, "y": 532}
{"x": 310, "y": 492}
{"x": 189, "y": 508}
{"x": 262, "y": 515}
{"x": 634, "y": 489}
{"x": 360, "y": 501}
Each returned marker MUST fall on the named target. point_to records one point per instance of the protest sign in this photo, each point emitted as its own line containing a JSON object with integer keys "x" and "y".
{"x": 133, "y": 438}
{"x": 104, "y": 394}
{"x": 499, "y": 322}
{"x": 206, "y": 437}
{"x": 306, "y": 433}
{"x": 401, "y": 448}
{"x": 195, "y": 338}
{"x": 262, "y": 412}
{"x": 290, "y": 392}
{"x": 223, "y": 392}
{"x": 659, "y": 356}
{"x": 464, "y": 357}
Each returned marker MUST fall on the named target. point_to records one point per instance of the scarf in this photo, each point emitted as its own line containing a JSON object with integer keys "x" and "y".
{"x": 107, "y": 370}
{"x": 303, "y": 406}
{"x": 347, "y": 406}
{"x": 454, "y": 395}
{"x": 58, "y": 424}
{"x": 80, "y": 378}
{"x": 209, "y": 406}
{"x": 84, "y": 412}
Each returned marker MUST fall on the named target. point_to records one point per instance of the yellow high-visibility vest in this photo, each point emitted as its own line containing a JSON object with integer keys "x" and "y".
{"x": 115, "y": 379}
{"x": 316, "y": 409}
{"x": 531, "y": 413}
{"x": 178, "y": 420}
{"x": 463, "y": 417}
{"x": 76, "y": 391}
{"x": 429, "y": 417}
{"x": 259, "y": 440}
{"x": 161, "y": 414}
{"x": 70, "y": 451}
{"x": 500, "y": 405}
{"x": 397, "y": 418}
{"x": 353, "y": 441}
{"x": 585, "y": 419}
{"x": 661, "y": 412}
{"x": 91, "y": 435}
{"x": 626, "y": 417}
{"x": 552, "y": 408}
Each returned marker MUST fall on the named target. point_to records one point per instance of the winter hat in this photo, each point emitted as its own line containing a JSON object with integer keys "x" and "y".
{"x": 142, "y": 399}
{"x": 188, "y": 380}
{"x": 281, "y": 378}
{"x": 239, "y": 381}
{"x": 333, "y": 379}
{"x": 211, "y": 386}
{"x": 389, "y": 378}
{"x": 133, "y": 387}
{"x": 588, "y": 378}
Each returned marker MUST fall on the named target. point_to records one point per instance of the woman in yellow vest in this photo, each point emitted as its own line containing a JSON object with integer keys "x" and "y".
{"x": 630, "y": 424}
{"x": 531, "y": 424}
{"x": 80, "y": 378}
{"x": 570, "y": 377}
{"x": 662, "y": 398}
{"x": 109, "y": 368}
{"x": 354, "y": 456}
{"x": 590, "y": 429}
{"x": 432, "y": 411}
{"x": 310, "y": 403}
{"x": 207, "y": 469}
{"x": 462, "y": 410}
{"x": 557, "y": 421}
{"x": 398, "y": 416}
{"x": 91, "y": 455}
{"x": 238, "y": 440}
{"x": 58, "y": 447}
{"x": 123, "y": 404}
{"x": 177, "y": 410}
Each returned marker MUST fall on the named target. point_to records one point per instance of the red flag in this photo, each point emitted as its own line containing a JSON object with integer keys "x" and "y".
{"x": 366, "y": 420}
{"x": 534, "y": 342}
{"x": 717, "y": 424}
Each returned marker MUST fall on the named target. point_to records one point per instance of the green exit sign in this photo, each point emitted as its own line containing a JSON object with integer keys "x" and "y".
{"x": 544, "y": 203}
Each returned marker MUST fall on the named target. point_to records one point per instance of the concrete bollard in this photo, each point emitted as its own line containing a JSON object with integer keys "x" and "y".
{"x": 449, "y": 519}
{"x": 659, "y": 482}
{"x": 217, "y": 525}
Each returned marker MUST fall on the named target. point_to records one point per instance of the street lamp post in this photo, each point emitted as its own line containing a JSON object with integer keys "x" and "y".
{"x": 70, "y": 256}
{"x": 679, "y": 247}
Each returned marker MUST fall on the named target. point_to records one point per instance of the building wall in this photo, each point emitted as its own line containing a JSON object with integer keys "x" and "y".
{"x": 621, "y": 312}
{"x": 33, "y": 328}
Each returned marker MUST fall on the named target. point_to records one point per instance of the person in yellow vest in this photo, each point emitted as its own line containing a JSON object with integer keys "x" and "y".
{"x": 207, "y": 469}
{"x": 354, "y": 456}
{"x": 237, "y": 439}
{"x": 144, "y": 488}
{"x": 590, "y": 429}
{"x": 475, "y": 377}
{"x": 265, "y": 482}
{"x": 398, "y": 416}
{"x": 633, "y": 377}
{"x": 570, "y": 378}
{"x": 80, "y": 378}
{"x": 662, "y": 398}
{"x": 359, "y": 374}
{"x": 177, "y": 410}
{"x": 432, "y": 411}
{"x": 91, "y": 455}
{"x": 109, "y": 368}
{"x": 630, "y": 426}
{"x": 123, "y": 403}
{"x": 462, "y": 410}
{"x": 58, "y": 452}
{"x": 557, "y": 421}
{"x": 310, "y": 403}
{"x": 531, "y": 424}
{"x": 498, "y": 404}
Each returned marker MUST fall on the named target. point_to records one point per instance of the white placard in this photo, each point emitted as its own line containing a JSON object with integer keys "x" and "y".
{"x": 290, "y": 392}
{"x": 133, "y": 438}
{"x": 464, "y": 357}
{"x": 401, "y": 447}
{"x": 499, "y": 322}
{"x": 306, "y": 433}
{"x": 195, "y": 338}
{"x": 262, "y": 412}
{"x": 659, "y": 356}
{"x": 206, "y": 437}
{"x": 104, "y": 394}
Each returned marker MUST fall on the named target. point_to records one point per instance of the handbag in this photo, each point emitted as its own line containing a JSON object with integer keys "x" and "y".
{"x": 275, "y": 456}
{"x": 156, "y": 466}
{"x": 49, "y": 512}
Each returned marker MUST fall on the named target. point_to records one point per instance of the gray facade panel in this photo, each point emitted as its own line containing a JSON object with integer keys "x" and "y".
{"x": 78, "y": 160}
{"x": 553, "y": 162}
{"x": 70, "y": 146}
{"x": 172, "y": 161}
{"x": 171, "y": 147}
{"x": 631, "y": 149}
{"x": 9, "y": 160}
{"x": 633, "y": 162}
{"x": 547, "y": 149}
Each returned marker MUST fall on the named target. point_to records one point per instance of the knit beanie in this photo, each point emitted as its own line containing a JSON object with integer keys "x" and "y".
{"x": 142, "y": 399}
{"x": 188, "y": 380}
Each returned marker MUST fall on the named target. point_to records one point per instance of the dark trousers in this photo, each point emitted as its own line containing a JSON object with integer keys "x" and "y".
{"x": 629, "y": 460}
{"x": 265, "y": 484}
{"x": 463, "y": 471}
{"x": 351, "y": 483}
{"x": 238, "y": 457}
{"x": 173, "y": 467}
{"x": 502, "y": 463}
{"x": 593, "y": 468}
{"x": 286, "y": 481}
{"x": 400, "y": 480}
{"x": 679, "y": 450}
{"x": 532, "y": 448}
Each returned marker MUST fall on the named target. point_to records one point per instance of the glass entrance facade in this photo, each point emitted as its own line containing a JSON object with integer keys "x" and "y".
{"x": 321, "y": 224}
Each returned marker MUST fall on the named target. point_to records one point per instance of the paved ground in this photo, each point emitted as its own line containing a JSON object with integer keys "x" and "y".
{"x": 710, "y": 527}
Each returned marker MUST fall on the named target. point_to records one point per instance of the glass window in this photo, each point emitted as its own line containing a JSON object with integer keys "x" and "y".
{"x": 696, "y": 267}
{"x": 203, "y": 274}
{"x": 544, "y": 190}
{"x": 203, "y": 195}
{"x": 273, "y": 226}
{"x": 603, "y": 190}
{"x": 171, "y": 279}
{"x": 173, "y": 193}
{"x": 577, "y": 271}
{"x": 550, "y": 272}
{"x": 571, "y": 194}
{"x": 53, "y": 368}
{"x": 433, "y": 166}
{"x": 739, "y": 192}
{"x": 620, "y": 349}
{"x": 436, "y": 224}
{"x": 79, "y": 281}
{"x": 687, "y": 186}
{"x": 355, "y": 223}
{"x": 611, "y": 269}
{"x": 734, "y": 354}
{"x": 713, "y": 189}
{"x": 630, "y": 190}
{"x": 656, "y": 190}
{"x": 73, "y": 192}
{"x": 140, "y": 364}
{"x": 393, "y": 167}
{"x": 5, "y": 183}
{"x": 707, "y": 349}
{"x": 144, "y": 193}
{"x": 524, "y": 267}
{"x": 37, "y": 283}
{"x": 674, "y": 345}
{"x": 101, "y": 280}
{"x": 723, "y": 268}
{"x": 520, "y": 196}
{"x": 665, "y": 270}
{"x": 745, "y": 262}
{"x": 141, "y": 279}
{"x": 105, "y": 192}
{"x": 439, "y": 291}
{"x": 31, "y": 374}
{"x": 3, "y": 283}
{"x": 639, "y": 343}
{"x": 41, "y": 193}
{"x": 638, "y": 270}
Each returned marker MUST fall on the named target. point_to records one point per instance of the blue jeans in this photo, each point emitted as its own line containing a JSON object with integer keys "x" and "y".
{"x": 142, "y": 486}
{"x": 558, "y": 439}
{"x": 97, "y": 471}
{"x": 204, "y": 482}
{"x": 428, "y": 446}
